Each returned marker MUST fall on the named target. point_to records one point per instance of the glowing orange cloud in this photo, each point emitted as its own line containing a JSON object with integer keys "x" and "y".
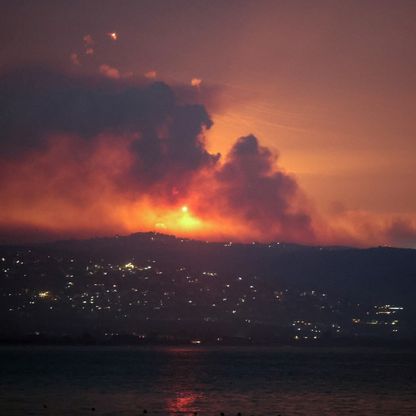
{"x": 63, "y": 192}
{"x": 134, "y": 159}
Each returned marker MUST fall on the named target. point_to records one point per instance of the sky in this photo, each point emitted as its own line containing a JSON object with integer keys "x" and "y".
{"x": 311, "y": 106}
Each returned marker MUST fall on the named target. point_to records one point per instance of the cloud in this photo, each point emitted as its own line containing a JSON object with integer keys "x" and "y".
{"x": 96, "y": 155}
{"x": 402, "y": 232}
{"x": 252, "y": 187}
{"x": 36, "y": 105}
{"x": 99, "y": 155}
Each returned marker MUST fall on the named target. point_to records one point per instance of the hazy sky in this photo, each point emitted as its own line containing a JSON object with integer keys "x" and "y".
{"x": 329, "y": 85}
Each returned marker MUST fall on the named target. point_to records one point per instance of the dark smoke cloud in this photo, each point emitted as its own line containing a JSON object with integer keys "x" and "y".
{"x": 167, "y": 144}
{"x": 36, "y": 103}
{"x": 182, "y": 151}
{"x": 252, "y": 186}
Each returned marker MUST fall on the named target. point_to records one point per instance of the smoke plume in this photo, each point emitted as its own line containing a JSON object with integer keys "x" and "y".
{"x": 84, "y": 156}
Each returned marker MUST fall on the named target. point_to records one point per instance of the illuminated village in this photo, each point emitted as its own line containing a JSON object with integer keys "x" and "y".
{"x": 161, "y": 299}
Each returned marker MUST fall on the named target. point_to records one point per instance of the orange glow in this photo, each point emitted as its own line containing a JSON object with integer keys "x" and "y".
{"x": 196, "y": 82}
{"x": 329, "y": 88}
{"x": 93, "y": 203}
{"x": 65, "y": 192}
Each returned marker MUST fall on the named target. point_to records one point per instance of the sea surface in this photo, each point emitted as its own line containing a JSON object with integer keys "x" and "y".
{"x": 128, "y": 381}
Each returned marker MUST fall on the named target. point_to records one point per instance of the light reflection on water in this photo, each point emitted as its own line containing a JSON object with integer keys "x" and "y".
{"x": 172, "y": 381}
{"x": 184, "y": 402}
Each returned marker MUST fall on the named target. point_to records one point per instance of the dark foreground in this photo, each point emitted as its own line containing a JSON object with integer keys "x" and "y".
{"x": 168, "y": 381}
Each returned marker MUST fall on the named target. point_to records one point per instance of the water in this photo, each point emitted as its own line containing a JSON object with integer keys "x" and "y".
{"x": 170, "y": 381}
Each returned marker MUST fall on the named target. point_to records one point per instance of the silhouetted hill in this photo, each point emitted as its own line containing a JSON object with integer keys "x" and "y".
{"x": 151, "y": 283}
{"x": 380, "y": 273}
